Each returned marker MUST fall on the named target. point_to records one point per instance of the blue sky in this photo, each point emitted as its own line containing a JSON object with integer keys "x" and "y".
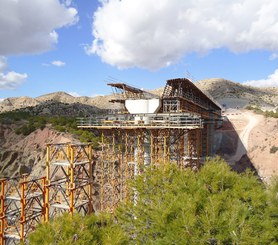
{"x": 76, "y": 46}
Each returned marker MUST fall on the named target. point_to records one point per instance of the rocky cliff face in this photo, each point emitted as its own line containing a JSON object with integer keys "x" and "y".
{"x": 25, "y": 154}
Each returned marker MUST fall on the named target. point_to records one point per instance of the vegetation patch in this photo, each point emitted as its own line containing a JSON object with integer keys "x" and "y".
{"x": 29, "y": 123}
{"x": 91, "y": 229}
{"x": 172, "y": 206}
{"x": 261, "y": 112}
{"x": 273, "y": 149}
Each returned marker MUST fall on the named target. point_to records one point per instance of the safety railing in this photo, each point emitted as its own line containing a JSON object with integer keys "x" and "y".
{"x": 180, "y": 120}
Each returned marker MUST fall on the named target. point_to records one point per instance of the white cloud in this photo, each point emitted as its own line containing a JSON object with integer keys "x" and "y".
{"x": 74, "y": 94}
{"x": 96, "y": 95}
{"x": 273, "y": 56}
{"x": 67, "y": 2}
{"x": 153, "y": 34}
{"x": 29, "y": 26}
{"x": 3, "y": 64}
{"x": 10, "y": 79}
{"x": 58, "y": 63}
{"x": 270, "y": 81}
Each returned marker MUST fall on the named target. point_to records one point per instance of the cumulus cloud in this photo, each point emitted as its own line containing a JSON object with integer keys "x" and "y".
{"x": 270, "y": 81}
{"x": 153, "y": 34}
{"x": 10, "y": 79}
{"x": 58, "y": 63}
{"x": 29, "y": 26}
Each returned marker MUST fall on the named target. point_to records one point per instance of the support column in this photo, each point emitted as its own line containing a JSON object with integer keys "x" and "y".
{"x": 152, "y": 150}
{"x": 2, "y": 211}
{"x": 72, "y": 180}
{"x": 90, "y": 154}
{"x": 181, "y": 150}
{"x": 22, "y": 211}
{"x": 102, "y": 174}
{"x": 47, "y": 183}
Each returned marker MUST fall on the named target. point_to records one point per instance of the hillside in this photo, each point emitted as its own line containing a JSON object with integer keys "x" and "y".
{"x": 237, "y": 95}
{"x": 48, "y": 100}
{"x": 245, "y": 140}
{"x": 223, "y": 91}
{"x": 249, "y": 140}
{"x": 24, "y": 154}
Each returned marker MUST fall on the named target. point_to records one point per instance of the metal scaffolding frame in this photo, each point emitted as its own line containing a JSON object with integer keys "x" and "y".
{"x": 126, "y": 153}
{"x": 67, "y": 187}
{"x": 179, "y": 133}
{"x": 22, "y": 205}
{"x": 68, "y": 179}
{"x": 79, "y": 181}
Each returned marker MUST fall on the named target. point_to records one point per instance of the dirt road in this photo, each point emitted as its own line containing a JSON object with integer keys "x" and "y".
{"x": 250, "y": 120}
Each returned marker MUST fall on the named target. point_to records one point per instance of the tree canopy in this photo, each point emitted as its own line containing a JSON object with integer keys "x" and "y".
{"x": 172, "y": 206}
{"x": 212, "y": 206}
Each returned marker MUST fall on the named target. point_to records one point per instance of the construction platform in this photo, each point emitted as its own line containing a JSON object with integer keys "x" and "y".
{"x": 147, "y": 121}
{"x": 177, "y": 127}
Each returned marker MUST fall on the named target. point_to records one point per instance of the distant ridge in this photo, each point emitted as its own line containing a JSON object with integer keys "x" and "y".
{"x": 235, "y": 94}
{"x": 225, "y": 92}
{"x": 99, "y": 102}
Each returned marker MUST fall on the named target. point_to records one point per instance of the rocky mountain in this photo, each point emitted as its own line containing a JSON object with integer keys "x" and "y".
{"x": 238, "y": 95}
{"x": 225, "y": 92}
{"x": 48, "y": 100}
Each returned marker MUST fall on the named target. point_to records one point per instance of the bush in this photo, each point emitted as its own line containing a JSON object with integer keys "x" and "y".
{"x": 273, "y": 149}
{"x": 25, "y": 129}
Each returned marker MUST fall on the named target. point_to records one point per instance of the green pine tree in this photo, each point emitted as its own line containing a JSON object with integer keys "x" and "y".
{"x": 212, "y": 206}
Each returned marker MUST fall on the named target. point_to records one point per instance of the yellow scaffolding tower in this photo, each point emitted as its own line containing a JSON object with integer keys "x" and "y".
{"x": 68, "y": 179}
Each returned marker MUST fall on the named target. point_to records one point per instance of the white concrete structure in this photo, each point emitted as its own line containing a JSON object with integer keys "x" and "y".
{"x": 143, "y": 106}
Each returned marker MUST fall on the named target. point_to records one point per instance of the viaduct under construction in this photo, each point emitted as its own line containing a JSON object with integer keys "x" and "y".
{"x": 177, "y": 127}
{"x": 149, "y": 130}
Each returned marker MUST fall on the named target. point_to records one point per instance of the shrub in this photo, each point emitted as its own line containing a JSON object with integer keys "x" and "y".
{"x": 273, "y": 149}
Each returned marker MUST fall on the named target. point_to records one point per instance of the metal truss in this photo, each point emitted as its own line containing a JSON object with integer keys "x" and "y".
{"x": 21, "y": 207}
{"x": 68, "y": 179}
{"x": 126, "y": 153}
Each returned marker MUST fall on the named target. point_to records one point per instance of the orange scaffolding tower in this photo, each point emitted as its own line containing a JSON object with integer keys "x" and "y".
{"x": 21, "y": 207}
{"x": 67, "y": 187}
